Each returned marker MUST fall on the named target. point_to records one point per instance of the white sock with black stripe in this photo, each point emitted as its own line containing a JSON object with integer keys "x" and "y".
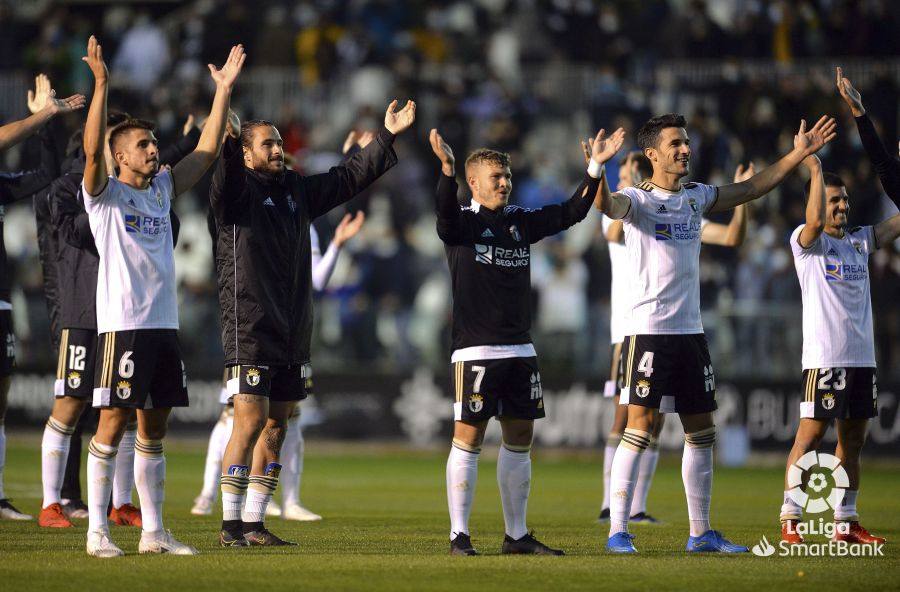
{"x": 462, "y": 475}
{"x": 624, "y": 474}
{"x": 150, "y": 473}
{"x": 697, "y": 472}
{"x": 54, "y": 453}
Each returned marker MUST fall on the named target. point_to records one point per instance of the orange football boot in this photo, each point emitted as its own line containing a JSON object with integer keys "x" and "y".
{"x": 789, "y": 532}
{"x": 858, "y": 534}
{"x": 52, "y": 517}
{"x": 126, "y": 515}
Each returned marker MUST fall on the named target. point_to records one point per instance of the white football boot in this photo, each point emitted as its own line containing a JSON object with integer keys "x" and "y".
{"x": 162, "y": 541}
{"x": 100, "y": 545}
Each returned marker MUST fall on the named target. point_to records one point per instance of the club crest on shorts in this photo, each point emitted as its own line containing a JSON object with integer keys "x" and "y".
{"x": 642, "y": 389}
{"x": 828, "y": 401}
{"x": 73, "y": 380}
{"x": 476, "y": 403}
{"x": 123, "y": 389}
{"x": 252, "y": 377}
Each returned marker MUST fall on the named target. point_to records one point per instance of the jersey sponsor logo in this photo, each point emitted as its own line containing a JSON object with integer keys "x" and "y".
{"x": 837, "y": 271}
{"x": 501, "y": 257}
{"x": 514, "y": 233}
{"x": 123, "y": 389}
{"x": 661, "y": 209}
{"x": 828, "y": 401}
{"x": 476, "y": 403}
{"x": 74, "y": 380}
{"x": 252, "y": 377}
{"x": 487, "y": 233}
{"x": 146, "y": 225}
{"x": 642, "y": 389}
{"x": 680, "y": 232}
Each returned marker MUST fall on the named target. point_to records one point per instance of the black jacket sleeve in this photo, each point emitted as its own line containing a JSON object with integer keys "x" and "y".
{"x": 228, "y": 181}
{"x": 887, "y": 166}
{"x": 449, "y": 214}
{"x": 180, "y": 148}
{"x": 68, "y": 216}
{"x": 555, "y": 218}
{"x": 344, "y": 181}
{"x": 15, "y": 186}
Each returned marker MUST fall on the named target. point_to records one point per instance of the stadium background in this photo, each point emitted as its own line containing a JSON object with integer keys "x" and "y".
{"x": 530, "y": 77}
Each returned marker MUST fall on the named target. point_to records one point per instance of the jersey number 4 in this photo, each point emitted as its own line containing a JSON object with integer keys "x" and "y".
{"x": 645, "y": 366}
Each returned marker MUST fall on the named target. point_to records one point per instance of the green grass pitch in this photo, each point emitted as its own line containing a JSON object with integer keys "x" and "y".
{"x": 386, "y": 525}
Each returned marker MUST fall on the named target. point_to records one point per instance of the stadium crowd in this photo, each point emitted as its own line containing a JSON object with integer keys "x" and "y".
{"x": 332, "y": 65}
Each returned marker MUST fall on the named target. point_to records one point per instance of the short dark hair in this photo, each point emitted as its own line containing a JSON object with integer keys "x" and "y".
{"x": 481, "y": 155}
{"x": 831, "y": 180}
{"x": 114, "y": 118}
{"x": 128, "y": 125}
{"x": 648, "y": 135}
{"x": 247, "y": 128}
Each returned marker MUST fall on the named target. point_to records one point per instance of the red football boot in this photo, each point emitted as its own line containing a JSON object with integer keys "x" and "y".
{"x": 789, "y": 532}
{"x": 126, "y": 515}
{"x": 858, "y": 534}
{"x": 52, "y": 517}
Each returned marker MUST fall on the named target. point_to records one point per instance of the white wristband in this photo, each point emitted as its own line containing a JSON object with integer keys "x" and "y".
{"x": 595, "y": 169}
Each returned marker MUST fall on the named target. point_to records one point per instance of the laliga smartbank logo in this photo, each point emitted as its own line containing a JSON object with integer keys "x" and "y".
{"x": 822, "y": 490}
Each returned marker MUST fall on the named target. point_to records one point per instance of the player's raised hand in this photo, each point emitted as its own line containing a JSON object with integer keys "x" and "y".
{"x": 40, "y": 96}
{"x": 398, "y": 121}
{"x": 94, "y": 60}
{"x": 348, "y": 227}
{"x": 741, "y": 173}
{"x": 586, "y": 150}
{"x": 812, "y": 140}
{"x": 443, "y": 151}
{"x": 226, "y": 76}
{"x": 850, "y": 94}
{"x": 604, "y": 147}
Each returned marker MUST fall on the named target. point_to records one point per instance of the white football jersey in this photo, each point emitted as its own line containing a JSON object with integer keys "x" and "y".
{"x": 662, "y": 241}
{"x": 133, "y": 233}
{"x": 837, "y": 304}
{"x": 618, "y": 300}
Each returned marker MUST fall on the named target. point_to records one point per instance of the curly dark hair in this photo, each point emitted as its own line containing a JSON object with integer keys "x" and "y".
{"x": 648, "y": 135}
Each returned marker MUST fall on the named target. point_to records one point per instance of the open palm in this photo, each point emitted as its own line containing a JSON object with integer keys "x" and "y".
{"x": 94, "y": 59}
{"x": 229, "y": 72}
{"x": 811, "y": 141}
{"x": 398, "y": 121}
{"x": 604, "y": 147}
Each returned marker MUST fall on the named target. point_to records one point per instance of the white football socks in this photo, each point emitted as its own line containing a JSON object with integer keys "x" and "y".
{"x": 150, "y": 470}
{"x": 609, "y": 453}
{"x": 514, "y": 479}
{"x": 624, "y": 474}
{"x": 101, "y": 463}
{"x": 259, "y": 494}
{"x": 647, "y": 468}
{"x": 292, "y": 463}
{"x": 123, "y": 480}
{"x": 218, "y": 440}
{"x": 462, "y": 475}
{"x": 846, "y": 510}
{"x": 54, "y": 452}
{"x": 234, "y": 485}
{"x": 790, "y": 510}
{"x": 697, "y": 472}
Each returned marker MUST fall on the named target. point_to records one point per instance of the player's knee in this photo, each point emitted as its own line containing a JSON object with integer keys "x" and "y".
{"x": 701, "y": 438}
{"x": 155, "y": 432}
{"x": 852, "y": 442}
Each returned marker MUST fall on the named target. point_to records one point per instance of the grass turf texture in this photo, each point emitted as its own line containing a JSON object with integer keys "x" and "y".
{"x": 385, "y": 528}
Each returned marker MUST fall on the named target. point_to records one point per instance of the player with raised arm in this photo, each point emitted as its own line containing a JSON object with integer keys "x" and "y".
{"x": 13, "y": 187}
{"x": 137, "y": 311}
{"x": 667, "y": 363}
{"x": 262, "y": 215}
{"x": 494, "y": 365}
{"x": 839, "y": 380}
{"x": 635, "y": 168}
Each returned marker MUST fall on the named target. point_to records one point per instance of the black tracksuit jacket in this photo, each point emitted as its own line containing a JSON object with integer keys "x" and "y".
{"x": 263, "y": 261}
{"x": 489, "y": 255}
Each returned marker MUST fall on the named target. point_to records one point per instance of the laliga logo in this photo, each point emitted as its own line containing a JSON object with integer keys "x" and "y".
{"x": 821, "y": 468}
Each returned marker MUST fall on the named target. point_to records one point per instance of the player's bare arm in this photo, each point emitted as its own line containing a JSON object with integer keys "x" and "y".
{"x": 887, "y": 231}
{"x": 95, "y": 173}
{"x": 444, "y": 153}
{"x": 815, "y": 205}
{"x": 187, "y": 172}
{"x": 733, "y": 233}
{"x": 806, "y": 142}
{"x": 602, "y": 149}
{"x": 44, "y": 106}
